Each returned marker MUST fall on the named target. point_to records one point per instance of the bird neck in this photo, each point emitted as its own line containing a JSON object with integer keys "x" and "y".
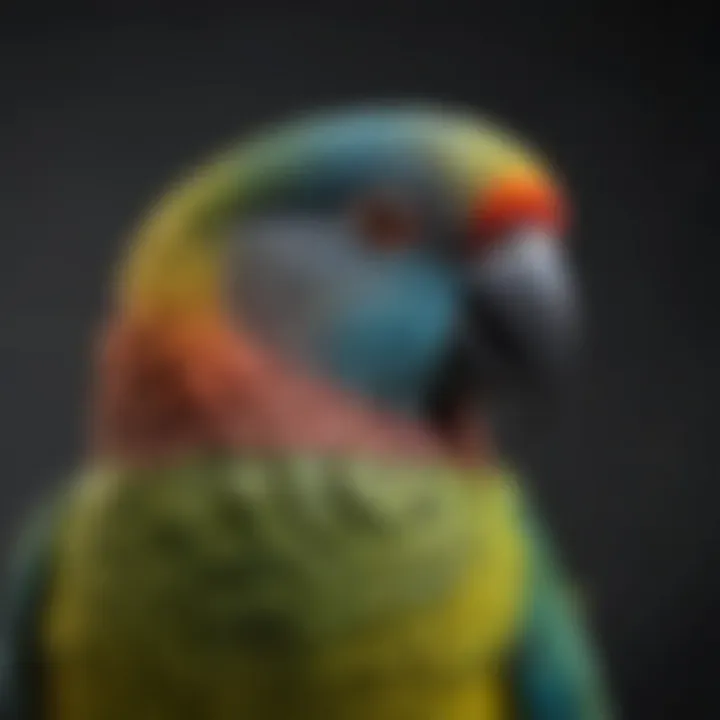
{"x": 167, "y": 387}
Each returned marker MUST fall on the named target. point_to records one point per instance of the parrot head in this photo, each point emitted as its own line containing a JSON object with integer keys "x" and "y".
{"x": 412, "y": 259}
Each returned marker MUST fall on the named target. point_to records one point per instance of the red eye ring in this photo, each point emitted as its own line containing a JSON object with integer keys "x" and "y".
{"x": 521, "y": 198}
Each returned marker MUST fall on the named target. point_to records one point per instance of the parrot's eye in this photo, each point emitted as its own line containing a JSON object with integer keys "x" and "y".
{"x": 386, "y": 222}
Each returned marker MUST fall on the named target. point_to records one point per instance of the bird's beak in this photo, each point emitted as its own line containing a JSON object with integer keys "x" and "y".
{"x": 523, "y": 314}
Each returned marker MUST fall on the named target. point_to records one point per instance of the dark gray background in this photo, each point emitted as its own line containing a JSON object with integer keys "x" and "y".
{"x": 99, "y": 109}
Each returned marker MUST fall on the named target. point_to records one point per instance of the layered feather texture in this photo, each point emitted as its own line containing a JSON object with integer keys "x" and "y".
{"x": 285, "y": 586}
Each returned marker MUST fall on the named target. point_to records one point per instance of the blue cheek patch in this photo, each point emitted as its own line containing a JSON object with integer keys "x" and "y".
{"x": 389, "y": 341}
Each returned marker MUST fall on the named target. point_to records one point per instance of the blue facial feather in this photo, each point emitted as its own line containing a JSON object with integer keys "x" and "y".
{"x": 373, "y": 322}
{"x": 389, "y": 342}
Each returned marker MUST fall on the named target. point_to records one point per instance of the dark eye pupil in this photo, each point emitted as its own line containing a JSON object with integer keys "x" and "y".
{"x": 387, "y": 223}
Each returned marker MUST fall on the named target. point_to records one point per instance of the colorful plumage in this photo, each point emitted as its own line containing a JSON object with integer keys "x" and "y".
{"x": 292, "y": 506}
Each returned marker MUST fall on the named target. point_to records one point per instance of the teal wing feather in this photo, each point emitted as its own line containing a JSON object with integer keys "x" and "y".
{"x": 22, "y": 600}
{"x": 558, "y": 674}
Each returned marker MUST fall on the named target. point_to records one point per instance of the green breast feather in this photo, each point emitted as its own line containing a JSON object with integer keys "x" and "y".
{"x": 216, "y": 584}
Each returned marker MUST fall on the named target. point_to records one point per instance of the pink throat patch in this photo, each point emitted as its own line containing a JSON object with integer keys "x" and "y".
{"x": 164, "y": 388}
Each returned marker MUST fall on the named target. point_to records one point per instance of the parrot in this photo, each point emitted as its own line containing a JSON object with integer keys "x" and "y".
{"x": 293, "y": 502}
